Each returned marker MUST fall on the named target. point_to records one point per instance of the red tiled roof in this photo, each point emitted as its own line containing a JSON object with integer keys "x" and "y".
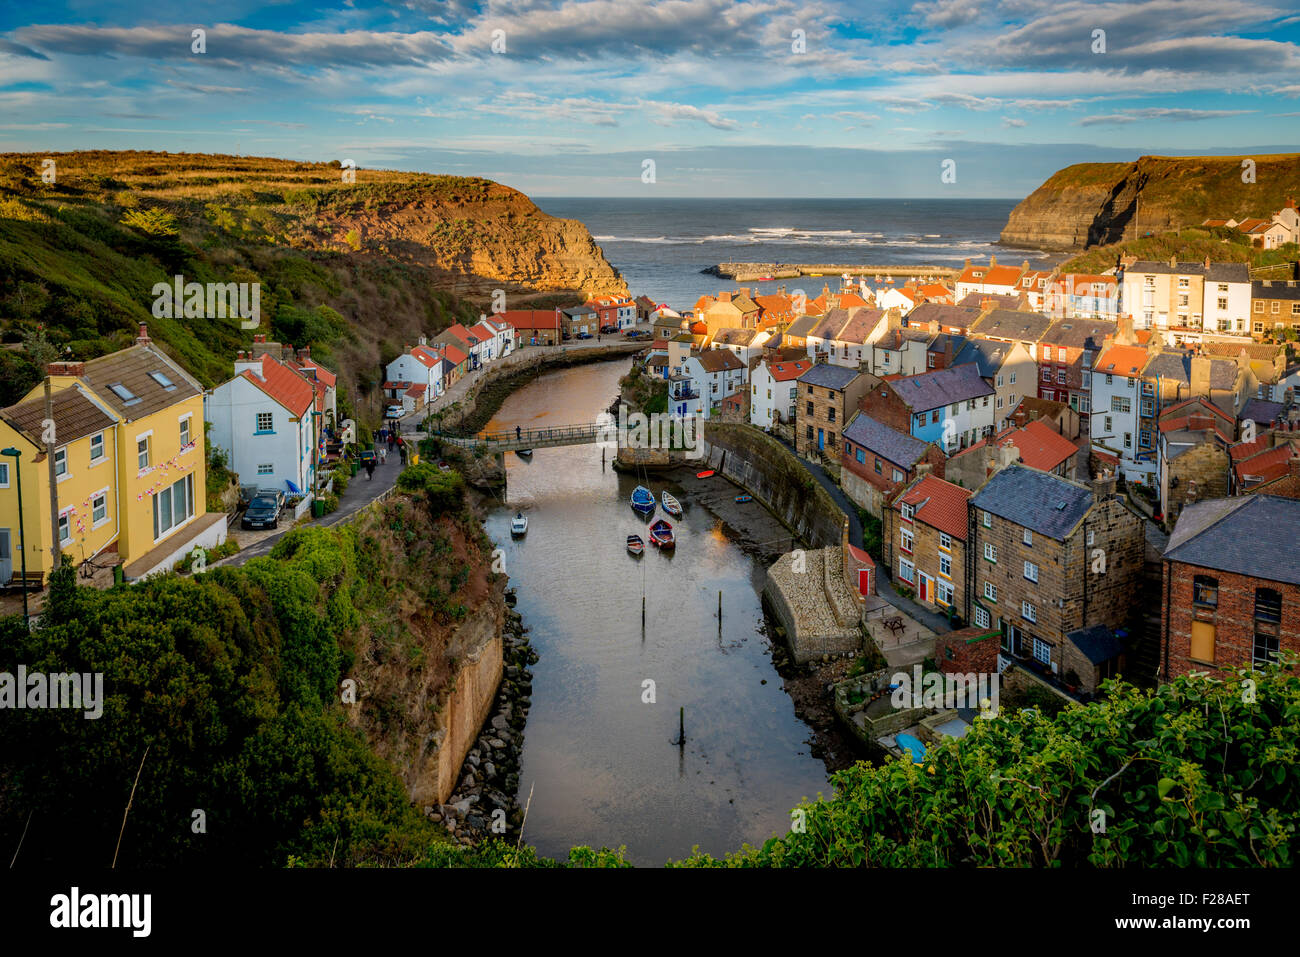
{"x": 323, "y": 375}
{"x": 1040, "y": 447}
{"x": 529, "y": 318}
{"x": 1266, "y": 466}
{"x": 282, "y": 384}
{"x": 861, "y": 557}
{"x": 460, "y": 332}
{"x": 483, "y": 331}
{"x": 418, "y": 389}
{"x": 990, "y": 275}
{"x": 454, "y": 355}
{"x": 939, "y": 504}
{"x": 426, "y": 356}
{"x": 785, "y": 371}
{"x": 1121, "y": 360}
{"x": 1244, "y": 450}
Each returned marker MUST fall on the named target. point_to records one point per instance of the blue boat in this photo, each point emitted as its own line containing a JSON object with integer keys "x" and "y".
{"x": 643, "y": 500}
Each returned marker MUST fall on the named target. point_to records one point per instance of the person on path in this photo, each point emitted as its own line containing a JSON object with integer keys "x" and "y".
{"x": 401, "y": 449}
{"x": 370, "y": 469}
{"x": 383, "y": 456}
{"x": 519, "y": 432}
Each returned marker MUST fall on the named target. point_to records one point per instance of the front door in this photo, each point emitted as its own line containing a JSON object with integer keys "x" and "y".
{"x": 6, "y": 557}
{"x": 924, "y": 586}
{"x": 821, "y": 440}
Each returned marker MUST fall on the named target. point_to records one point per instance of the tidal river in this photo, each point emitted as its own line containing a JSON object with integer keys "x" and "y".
{"x": 601, "y": 761}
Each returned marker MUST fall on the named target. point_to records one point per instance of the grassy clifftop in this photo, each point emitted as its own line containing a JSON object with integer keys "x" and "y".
{"x": 356, "y": 269}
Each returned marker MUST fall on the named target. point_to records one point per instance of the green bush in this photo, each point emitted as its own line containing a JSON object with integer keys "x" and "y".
{"x": 444, "y": 491}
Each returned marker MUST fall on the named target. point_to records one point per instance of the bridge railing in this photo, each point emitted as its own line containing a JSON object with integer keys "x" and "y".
{"x": 526, "y": 436}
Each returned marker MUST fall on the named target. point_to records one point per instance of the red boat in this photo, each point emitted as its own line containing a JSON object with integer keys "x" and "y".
{"x": 661, "y": 535}
{"x": 705, "y": 474}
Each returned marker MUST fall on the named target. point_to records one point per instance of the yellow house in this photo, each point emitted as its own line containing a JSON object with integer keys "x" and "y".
{"x": 137, "y": 485}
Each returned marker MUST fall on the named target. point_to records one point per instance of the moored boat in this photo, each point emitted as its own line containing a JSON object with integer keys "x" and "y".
{"x": 643, "y": 500}
{"x": 744, "y": 498}
{"x": 519, "y": 524}
{"x": 670, "y": 503}
{"x": 635, "y": 545}
{"x": 661, "y": 534}
{"x": 524, "y": 453}
{"x": 705, "y": 474}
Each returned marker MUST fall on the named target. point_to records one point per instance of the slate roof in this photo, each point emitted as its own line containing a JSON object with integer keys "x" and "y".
{"x": 939, "y": 504}
{"x": 1046, "y": 504}
{"x": 975, "y": 300}
{"x": 987, "y": 355}
{"x": 881, "y": 440}
{"x": 1262, "y": 411}
{"x": 1079, "y": 333}
{"x": 731, "y": 336}
{"x": 802, "y": 326}
{"x": 961, "y": 316}
{"x": 1097, "y": 642}
{"x": 1231, "y": 535}
{"x": 720, "y": 360}
{"x": 1217, "y": 272}
{"x": 941, "y": 387}
{"x": 75, "y": 416}
{"x": 1012, "y": 324}
{"x": 130, "y": 368}
{"x": 829, "y": 376}
{"x": 1178, "y": 367}
{"x": 860, "y": 324}
{"x": 1269, "y": 289}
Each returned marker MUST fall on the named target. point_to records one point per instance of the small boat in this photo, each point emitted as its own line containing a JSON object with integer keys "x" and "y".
{"x": 671, "y": 505}
{"x": 635, "y": 545}
{"x": 524, "y": 453}
{"x": 643, "y": 499}
{"x": 912, "y": 746}
{"x": 661, "y": 534}
{"x": 744, "y": 498}
{"x": 707, "y": 473}
{"x": 519, "y": 524}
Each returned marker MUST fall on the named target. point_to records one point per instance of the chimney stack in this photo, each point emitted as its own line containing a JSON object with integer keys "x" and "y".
{"x": 65, "y": 368}
{"x": 1124, "y": 331}
{"x": 143, "y": 338}
{"x": 1103, "y": 488}
{"x": 1200, "y": 375}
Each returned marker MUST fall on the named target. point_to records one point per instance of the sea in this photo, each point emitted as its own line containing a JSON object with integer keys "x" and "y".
{"x": 661, "y": 245}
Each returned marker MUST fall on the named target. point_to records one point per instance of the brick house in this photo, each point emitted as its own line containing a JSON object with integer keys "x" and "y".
{"x": 876, "y": 460}
{"x": 1066, "y": 353}
{"x": 828, "y": 395}
{"x": 1193, "y": 463}
{"x": 923, "y": 541}
{"x": 1231, "y": 585}
{"x": 953, "y": 407}
{"x": 967, "y": 651}
{"x": 1036, "y": 445}
{"x": 1274, "y": 305}
{"x": 1048, "y": 556}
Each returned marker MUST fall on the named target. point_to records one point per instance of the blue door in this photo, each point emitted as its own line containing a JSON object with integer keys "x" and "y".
{"x": 821, "y": 441}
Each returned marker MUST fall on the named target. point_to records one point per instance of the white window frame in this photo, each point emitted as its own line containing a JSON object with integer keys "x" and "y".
{"x": 1031, "y": 567}
{"x": 99, "y": 523}
{"x": 991, "y": 591}
{"x": 945, "y": 541}
{"x": 991, "y": 552}
{"x": 1027, "y": 537}
{"x": 1028, "y": 612}
{"x": 61, "y": 458}
{"x": 1046, "y": 656}
{"x": 103, "y": 453}
{"x": 907, "y": 571}
{"x": 981, "y": 617}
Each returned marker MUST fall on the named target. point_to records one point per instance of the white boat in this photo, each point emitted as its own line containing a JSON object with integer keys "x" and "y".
{"x": 519, "y": 524}
{"x": 670, "y": 503}
{"x": 524, "y": 453}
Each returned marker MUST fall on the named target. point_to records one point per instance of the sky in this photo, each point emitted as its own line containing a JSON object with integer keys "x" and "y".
{"x": 577, "y": 97}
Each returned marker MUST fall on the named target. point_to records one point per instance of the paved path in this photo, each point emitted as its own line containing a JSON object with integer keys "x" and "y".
{"x": 836, "y": 493}
{"x": 361, "y": 491}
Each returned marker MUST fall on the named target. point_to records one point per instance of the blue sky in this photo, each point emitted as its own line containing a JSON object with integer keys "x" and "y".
{"x": 715, "y": 92}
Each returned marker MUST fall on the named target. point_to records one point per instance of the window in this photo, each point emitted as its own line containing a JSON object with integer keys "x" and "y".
{"x": 1060, "y": 355}
{"x": 1042, "y": 651}
{"x": 943, "y": 592}
{"x": 1000, "y": 377}
{"x": 61, "y": 462}
{"x": 934, "y": 416}
{"x": 1047, "y": 374}
{"x": 809, "y": 409}
{"x": 99, "y": 509}
{"x": 810, "y": 391}
{"x": 122, "y": 392}
{"x": 999, "y": 402}
{"x": 1121, "y": 404}
{"x": 1028, "y": 612}
{"x": 878, "y": 468}
{"x": 945, "y": 540}
{"x": 1148, "y": 407}
{"x": 1060, "y": 376}
{"x": 981, "y": 617}
{"x": 173, "y": 506}
{"x": 861, "y": 457}
{"x": 1031, "y": 572}
{"x": 1109, "y": 378}
{"x": 163, "y": 381}
{"x": 898, "y": 476}
{"x": 97, "y": 446}
{"x": 1012, "y": 380}
{"x": 808, "y": 434}
{"x": 905, "y": 569}
{"x": 1223, "y": 304}
{"x": 142, "y": 452}
{"x": 830, "y": 414}
{"x": 991, "y": 552}
{"x": 4, "y": 474}
{"x": 1268, "y": 626}
{"x": 988, "y": 520}
{"x": 185, "y": 431}
{"x": 265, "y": 421}
{"x": 906, "y": 511}
{"x": 945, "y": 565}
{"x": 991, "y": 591}
{"x": 1128, "y": 440}
{"x": 65, "y": 529}
{"x": 1027, "y": 537}
{"x": 906, "y": 536}
{"x": 265, "y": 469}
{"x": 1276, "y": 308}
{"x": 1259, "y": 305}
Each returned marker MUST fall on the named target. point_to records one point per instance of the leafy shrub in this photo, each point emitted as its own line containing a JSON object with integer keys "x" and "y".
{"x": 444, "y": 491}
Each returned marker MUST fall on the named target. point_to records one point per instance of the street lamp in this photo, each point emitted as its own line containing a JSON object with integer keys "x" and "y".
{"x": 22, "y": 530}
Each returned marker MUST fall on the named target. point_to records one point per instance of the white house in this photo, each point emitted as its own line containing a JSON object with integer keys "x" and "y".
{"x": 904, "y": 299}
{"x": 1116, "y": 408}
{"x": 994, "y": 279}
{"x": 774, "y": 391}
{"x": 420, "y": 364}
{"x": 716, "y": 374}
{"x": 1227, "y": 298}
{"x": 262, "y": 419}
{"x": 745, "y": 343}
{"x": 327, "y": 381}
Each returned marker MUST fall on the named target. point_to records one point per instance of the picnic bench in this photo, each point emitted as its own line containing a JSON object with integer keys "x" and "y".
{"x": 895, "y": 625}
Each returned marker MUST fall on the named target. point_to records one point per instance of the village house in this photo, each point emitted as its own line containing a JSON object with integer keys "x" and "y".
{"x": 1260, "y": 461}
{"x": 716, "y": 373}
{"x": 901, "y": 352}
{"x": 923, "y": 539}
{"x": 876, "y": 460}
{"x": 943, "y": 318}
{"x": 1034, "y": 285}
{"x": 1274, "y": 305}
{"x": 775, "y": 310}
{"x": 942, "y": 350}
{"x": 1116, "y": 376}
{"x": 645, "y": 307}
{"x": 828, "y": 395}
{"x": 902, "y": 298}
{"x": 774, "y": 390}
{"x": 1264, "y": 233}
{"x": 614, "y": 313}
{"x": 579, "y": 321}
{"x": 129, "y": 462}
{"x": 989, "y": 280}
{"x": 845, "y": 336}
{"x": 1067, "y": 350}
{"x": 1058, "y": 416}
{"x": 1082, "y": 296}
{"x": 1193, "y": 464}
{"x": 1273, "y": 370}
{"x": 1172, "y": 375}
{"x": 1186, "y": 297}
{"x": 1049, "y": 558}
{"x": 1012, "y": 325}
{"x": 951, "y": 407}
{"x": 1035, "y": 445}
{"x": 1007, "y": 366}
{"x": 1231, "y": 584}
{"x": 730, "y": 311}
{"x": 326, "y": 381}
{"x": 533, "y": 327}
{"x": 685, "y": 399}
{"x": 747, "y": 344}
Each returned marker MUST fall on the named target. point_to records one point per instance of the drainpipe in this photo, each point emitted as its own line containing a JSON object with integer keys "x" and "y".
{"x": 1166, "y": 583}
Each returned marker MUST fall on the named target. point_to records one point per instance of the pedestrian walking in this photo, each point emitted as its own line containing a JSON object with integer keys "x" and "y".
{"x": 402, "y": 451}
{"x": 370, "y": 469}
{"x": 519, "y": 432}
{"x": 383, "y": 456}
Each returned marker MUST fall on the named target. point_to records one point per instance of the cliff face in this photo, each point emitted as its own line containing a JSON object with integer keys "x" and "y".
{"x": 1093, "y": 204}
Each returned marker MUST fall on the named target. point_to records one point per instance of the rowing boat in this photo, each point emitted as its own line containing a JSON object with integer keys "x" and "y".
{"x": 635, "y": 545}
{"x": 744, "y": 498}
{"x": 661, "y": 534}
{"x": 705, "y": 474}
{"x": 643, "y": 500}
{"x": 671, "y": 505}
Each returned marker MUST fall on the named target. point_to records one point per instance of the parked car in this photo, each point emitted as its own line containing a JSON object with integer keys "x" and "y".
{"x": 394, "y": 412}
{"x": 636, "y": 334}
{"x": 567, "y": 337}
{"x": 612, "y": 327}
{"x": 264, "y": 510}
{"x": 585, "y": 335}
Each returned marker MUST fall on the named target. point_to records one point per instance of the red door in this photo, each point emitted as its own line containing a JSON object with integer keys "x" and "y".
{"x": 923, "y": 590}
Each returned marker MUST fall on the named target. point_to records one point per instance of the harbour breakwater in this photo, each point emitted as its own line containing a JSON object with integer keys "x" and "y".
{"x": 750, "y": 272}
